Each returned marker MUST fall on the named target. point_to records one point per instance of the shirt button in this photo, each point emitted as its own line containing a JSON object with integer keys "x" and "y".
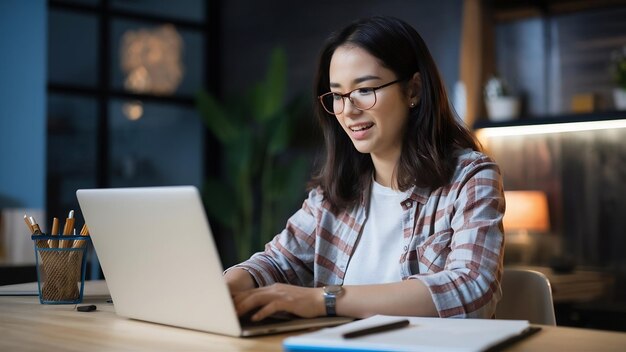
{"x": 406, "y": 248}
{"x": 407, "y": 204}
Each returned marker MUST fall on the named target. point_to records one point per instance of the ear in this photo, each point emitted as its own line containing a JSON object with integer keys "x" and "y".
{"x": 414, "y": 90}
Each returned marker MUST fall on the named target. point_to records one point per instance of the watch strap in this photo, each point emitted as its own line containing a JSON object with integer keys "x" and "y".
{"x": 330, "y": 299}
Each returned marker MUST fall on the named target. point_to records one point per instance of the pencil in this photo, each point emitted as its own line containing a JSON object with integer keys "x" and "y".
{"x": 30, "y": 228}
{"x": 67, "y": 230}
{"x": 55, "y": 227}
{"x": 37, "y": 231}
{"x": 35, "y": 226}
{"x": 83, "y": 232}
{"x": 54, "y": 231}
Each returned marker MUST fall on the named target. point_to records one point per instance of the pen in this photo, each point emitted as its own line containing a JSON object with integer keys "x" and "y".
{"x": 376, "y": 329}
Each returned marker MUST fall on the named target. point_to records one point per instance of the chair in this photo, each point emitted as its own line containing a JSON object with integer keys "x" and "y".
{"x": 526, "y": 295}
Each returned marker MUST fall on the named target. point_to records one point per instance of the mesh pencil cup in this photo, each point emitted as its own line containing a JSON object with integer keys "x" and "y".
{"x": 61, "y": 265}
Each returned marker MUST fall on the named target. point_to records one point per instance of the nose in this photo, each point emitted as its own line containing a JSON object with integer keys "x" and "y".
{"x": 349, "y": 108}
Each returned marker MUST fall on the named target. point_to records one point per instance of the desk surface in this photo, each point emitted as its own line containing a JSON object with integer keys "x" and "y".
{"x": 26, "y": 325}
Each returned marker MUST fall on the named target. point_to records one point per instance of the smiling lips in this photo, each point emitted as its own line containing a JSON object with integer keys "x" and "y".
{"x": 359, "y": 131}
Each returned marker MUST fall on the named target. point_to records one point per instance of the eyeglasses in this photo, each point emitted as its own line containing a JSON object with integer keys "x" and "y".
{"x": 363, "y": 98}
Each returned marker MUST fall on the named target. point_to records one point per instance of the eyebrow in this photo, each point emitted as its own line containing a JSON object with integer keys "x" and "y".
{"x": 355, "y": 81}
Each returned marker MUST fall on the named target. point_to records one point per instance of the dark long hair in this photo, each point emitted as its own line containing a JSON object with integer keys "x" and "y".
{"x": 433, "y": 132}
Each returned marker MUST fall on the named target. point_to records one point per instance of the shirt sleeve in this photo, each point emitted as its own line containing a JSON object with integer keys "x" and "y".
{"x": 468, "y": 286}
{"x": 289, "y": 257}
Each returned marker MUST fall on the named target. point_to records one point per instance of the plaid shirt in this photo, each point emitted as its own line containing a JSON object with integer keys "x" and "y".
{"x": 452, "y": 241}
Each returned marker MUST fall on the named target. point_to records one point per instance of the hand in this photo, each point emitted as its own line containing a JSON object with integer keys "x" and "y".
{"x": 302, "y": 301}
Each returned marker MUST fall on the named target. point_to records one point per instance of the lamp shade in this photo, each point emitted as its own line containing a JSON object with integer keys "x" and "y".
{"x": 526, "y": 210}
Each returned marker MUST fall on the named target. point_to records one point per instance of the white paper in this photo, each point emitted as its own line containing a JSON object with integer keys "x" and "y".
{"x": 423, "y": 334}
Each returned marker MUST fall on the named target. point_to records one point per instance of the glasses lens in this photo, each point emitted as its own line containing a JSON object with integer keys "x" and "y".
{"x": 333, "y": 103}
{"x": 363, "y": 98}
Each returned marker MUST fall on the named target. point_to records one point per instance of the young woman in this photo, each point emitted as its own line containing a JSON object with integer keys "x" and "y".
{"x": 405, "y": 215}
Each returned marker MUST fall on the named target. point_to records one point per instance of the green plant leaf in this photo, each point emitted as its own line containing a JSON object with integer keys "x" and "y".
{"x": 216, "y": 118}
{"x": 269, "y": 95}
{"x": 219, "y": 202}
{"x": 262, "y": 178}
{"x": 288, "y": 183}
{"x": 281, "y": 131}
{"x": 239, "y": 154}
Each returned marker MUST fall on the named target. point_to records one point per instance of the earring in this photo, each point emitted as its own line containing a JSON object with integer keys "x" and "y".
{"x": 412, "y": 105}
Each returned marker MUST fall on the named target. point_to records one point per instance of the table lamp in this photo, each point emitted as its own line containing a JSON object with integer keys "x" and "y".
{"x": 526, "y": 211}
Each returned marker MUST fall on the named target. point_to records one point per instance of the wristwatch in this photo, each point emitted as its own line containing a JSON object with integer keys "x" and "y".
{"x": 331, "y": 293}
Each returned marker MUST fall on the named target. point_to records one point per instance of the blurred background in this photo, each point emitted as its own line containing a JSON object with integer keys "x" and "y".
{"x": 218, "y": 94}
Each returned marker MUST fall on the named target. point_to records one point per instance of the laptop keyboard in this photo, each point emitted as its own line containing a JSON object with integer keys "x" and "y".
{"x": 281, "y": 317}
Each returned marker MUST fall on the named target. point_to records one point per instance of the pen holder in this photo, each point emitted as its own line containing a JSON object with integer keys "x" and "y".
{"x": 61, "y": 265}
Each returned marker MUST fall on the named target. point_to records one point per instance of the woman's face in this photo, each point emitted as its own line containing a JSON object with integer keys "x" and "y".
{"x": 378, "y": 130}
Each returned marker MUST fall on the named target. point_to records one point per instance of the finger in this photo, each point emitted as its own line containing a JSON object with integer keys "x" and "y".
{"x": 240, "y": 296}
{"x": 252, "y": 301}
{"x": 267, "y": 310}
{"x": 272, "y": 289}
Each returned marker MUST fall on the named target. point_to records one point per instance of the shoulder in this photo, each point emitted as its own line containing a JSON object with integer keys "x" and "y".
{"x": 470, "y": 162}
{"x": 315, "y": 201}
{"x": 318, "y": 205}
{"x": 316, "y": 196}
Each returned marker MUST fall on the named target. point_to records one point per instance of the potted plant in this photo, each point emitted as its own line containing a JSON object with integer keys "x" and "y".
{"x": 262, "y": 178}
{"x": 618, "y": 66}
{"x": 501, "y": 104}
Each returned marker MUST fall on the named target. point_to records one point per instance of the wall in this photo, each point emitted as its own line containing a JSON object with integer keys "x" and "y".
{"x": 22, "y": 103}
{"x": 251, "y": 29}
{"x": 552, "y": 59}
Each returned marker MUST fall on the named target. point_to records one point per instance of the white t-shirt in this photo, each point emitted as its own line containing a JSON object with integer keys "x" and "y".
{"x": 378, "y": 250}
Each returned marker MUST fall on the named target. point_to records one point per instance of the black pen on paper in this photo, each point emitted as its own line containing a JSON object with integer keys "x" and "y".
{"x": 376, "y": 329}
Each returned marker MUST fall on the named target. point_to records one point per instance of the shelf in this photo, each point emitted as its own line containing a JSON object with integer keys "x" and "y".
{"x": 553, "y": 119}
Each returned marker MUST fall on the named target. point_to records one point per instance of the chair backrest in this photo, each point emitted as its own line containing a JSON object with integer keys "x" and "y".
{"x": 526, "y": 295}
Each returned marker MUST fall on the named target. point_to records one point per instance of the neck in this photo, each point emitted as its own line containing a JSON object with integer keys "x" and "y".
{"x": 384, "y": 170}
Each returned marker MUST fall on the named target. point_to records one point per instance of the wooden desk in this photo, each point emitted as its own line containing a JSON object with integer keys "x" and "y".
{"x": 26, "y": 325}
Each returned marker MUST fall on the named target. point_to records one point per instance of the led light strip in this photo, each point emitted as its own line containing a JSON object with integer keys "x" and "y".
{"x": 550, "y": 128}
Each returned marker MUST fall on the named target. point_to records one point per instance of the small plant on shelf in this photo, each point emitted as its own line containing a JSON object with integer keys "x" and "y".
{"x": 618, "y": 70}
{"x": 501, "y": 104}
{"x": 618, "y": 67}
{"x": 496, "y": 88}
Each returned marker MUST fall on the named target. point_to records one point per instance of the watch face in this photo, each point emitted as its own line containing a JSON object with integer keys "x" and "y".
{"x": 333, "y": 289}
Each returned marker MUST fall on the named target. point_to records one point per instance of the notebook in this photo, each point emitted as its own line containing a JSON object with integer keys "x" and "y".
{"x": 422, "y": 334}
{"x": 160, "y": 262}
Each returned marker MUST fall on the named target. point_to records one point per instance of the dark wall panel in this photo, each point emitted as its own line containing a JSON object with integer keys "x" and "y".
{"x": 583, "y": 174}
{"x": 251, "y": 29}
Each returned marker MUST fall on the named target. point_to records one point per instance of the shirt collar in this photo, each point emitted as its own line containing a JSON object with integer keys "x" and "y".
{"x": 415, "y": 194}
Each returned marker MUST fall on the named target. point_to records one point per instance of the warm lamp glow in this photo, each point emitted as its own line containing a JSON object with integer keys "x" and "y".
{"x": 526, "y": 210}
{"x": 152, "y": 60}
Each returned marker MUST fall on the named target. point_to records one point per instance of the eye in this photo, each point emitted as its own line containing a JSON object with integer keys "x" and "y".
{"x": 365, "y": 91}
{"x": 336, "y": 96}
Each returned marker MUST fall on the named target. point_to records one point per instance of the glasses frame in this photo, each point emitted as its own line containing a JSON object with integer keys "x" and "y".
{"x": 347, "y": 95}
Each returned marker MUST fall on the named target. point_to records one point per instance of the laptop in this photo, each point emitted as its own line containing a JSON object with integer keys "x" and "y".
{"x": 160, "y": 262}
